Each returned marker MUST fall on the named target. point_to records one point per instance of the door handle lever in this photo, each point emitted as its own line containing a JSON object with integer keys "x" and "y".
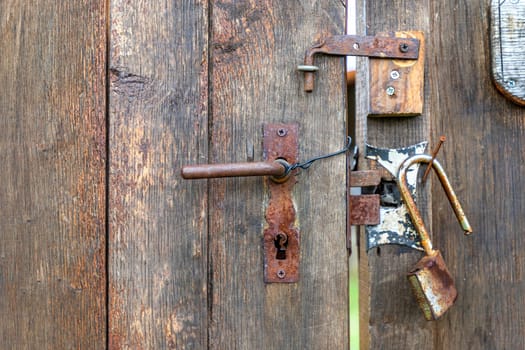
{"x": 278, "y": 170}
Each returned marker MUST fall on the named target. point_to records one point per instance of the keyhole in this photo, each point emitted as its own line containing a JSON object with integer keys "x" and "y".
{"x": 281, "y": 242}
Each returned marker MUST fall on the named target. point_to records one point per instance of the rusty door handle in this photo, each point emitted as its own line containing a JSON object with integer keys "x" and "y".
{"x": 281, "y": 236}
{"x": 277, "y": 169}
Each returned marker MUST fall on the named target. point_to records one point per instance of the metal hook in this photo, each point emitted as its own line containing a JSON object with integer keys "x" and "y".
{"x": 411, "y": 205}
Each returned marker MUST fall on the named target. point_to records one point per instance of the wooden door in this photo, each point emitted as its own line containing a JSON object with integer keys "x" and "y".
{"x": 194, "y": 82}
{"x": 103, "y": 244}
{"x": 483, "y": 157}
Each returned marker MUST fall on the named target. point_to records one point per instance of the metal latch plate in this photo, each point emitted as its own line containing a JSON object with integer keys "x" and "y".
{"x": 396, "y": 226}
{"x": 281, "y": 264}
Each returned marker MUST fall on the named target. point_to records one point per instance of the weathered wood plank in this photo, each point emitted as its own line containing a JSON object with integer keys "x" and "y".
{"x": 393, "y": 319}
{"x": 507, "y": 41}
{"x": 52, "y": 193}
{"x": 157, "y": 221}
{"x": 484, "y": 156}
{"x": 404, "y": 78}
{"x": 255, "y": 50}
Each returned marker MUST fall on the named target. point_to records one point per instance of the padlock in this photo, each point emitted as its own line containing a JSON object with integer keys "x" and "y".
{"x": 430, "y": 279}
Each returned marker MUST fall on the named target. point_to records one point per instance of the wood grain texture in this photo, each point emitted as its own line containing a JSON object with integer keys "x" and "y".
{"x": 507, "y": 40}
{"x": 392, "y": 319}
{"x": 406, "y": 77}
{"x": 256, "y": 47}
{"x": 52, "y": 193}
{"x": 158, "y": 221}
{"x": 484, "y": 157}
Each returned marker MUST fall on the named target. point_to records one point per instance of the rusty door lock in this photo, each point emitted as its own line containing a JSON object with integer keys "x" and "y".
{"x": 281, "y": 236}
{"x": 430, "y": 279}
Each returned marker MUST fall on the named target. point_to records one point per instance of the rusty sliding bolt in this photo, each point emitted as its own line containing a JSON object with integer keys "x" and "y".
{"x": 354, "y": 45}
{"x": 434, "y": 154}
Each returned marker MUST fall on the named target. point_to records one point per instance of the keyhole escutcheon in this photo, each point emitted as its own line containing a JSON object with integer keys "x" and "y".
{"x": 281, "y": 243}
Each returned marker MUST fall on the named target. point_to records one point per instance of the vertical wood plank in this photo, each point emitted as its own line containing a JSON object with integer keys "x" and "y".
{"x": 53, "y": 156}
{"x": 392, "y": 319}
{"x": 256, "y": 46}
{"x": 484, "y": 156}
{"x": 157, "y": 221}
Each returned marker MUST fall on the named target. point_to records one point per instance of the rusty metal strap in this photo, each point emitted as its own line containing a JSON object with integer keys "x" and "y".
{"x": 370, "y": 46}
{"x": 354, "y": 45}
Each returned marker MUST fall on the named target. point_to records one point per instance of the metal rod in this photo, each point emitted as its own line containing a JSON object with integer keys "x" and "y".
{"x": 434, "y": 154}
{"x": 205, "y": 171}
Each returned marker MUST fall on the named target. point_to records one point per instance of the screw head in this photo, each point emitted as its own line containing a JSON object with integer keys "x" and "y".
{"x": 356, "y": 46}
{"x": 511, "y": 83}
{"x": 390, "y": 91}
{"x": 395, "y": 74}
{"x": 282, "y": 132}
{"x": 403, "y": 47}
{"x": 281, "y": 274}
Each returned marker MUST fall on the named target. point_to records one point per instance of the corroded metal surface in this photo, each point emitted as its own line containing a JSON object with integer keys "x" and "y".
{"x": 281, "y": 236}
{"x": 364, "y": 209}
{"x": 364, "y": 178}
{"x": 430, "y": 280}
{"x": 203, "y": 171}
{"x": 395, "y": 226}
{"x": 433, "y": 286}
{"x": 353, "y": 45}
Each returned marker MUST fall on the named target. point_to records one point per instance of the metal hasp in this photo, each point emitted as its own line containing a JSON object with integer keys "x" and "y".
{"x": 395, "y": 226}
{"x": 281, "y": 236}
{"x": 507, "y": 44}
{"x": 430, "y": 279}
{"x": 354, "y": 45}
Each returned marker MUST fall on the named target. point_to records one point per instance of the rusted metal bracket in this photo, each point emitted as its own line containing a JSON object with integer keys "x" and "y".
{"x": 364, "y": 208}
{"x": 354, "y": 45}
{"x": 281, "y": 236}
